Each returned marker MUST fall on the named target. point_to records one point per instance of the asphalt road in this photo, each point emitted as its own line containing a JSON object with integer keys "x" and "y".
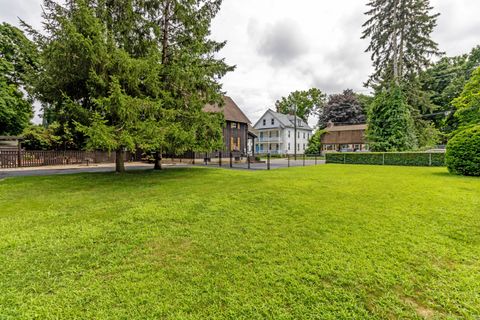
{"x": 39, "y": 171}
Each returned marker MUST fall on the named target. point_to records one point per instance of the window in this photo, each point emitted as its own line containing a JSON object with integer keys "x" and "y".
{"x": 261, "y": 135}
{"x": 289, "y": 136}
{"x": 304, "y": 135}
{"x": 234, "y": 125}
{"x": 298, "y": 146}
{"x": 273, "y": 121}
{"x": 304, "y": 146}
{"x": 264, "y": 122}
{"x": 289, "y": 144}
{"x": 298, "y": 135}
{"x": 270, "y": 134}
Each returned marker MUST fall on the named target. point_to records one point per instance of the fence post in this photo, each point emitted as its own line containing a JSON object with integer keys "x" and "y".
{"x": 344, "y": 158}
{"x": 206, "y": 159}
{"x": 248, "y": 161}
{"x": 430, "y": 160}
{"x": 304, "y": 159}
{"x": 288, "y": 160}
{"x": 193, "y": 158}
{"x": 268, "y": 161}
{"x": 19, "y": 155}
{"x": 315, "y": 159}
{"x": 383, "y": 159}
{"x": 231, "y": 159}
{"x": 220, "y": 155}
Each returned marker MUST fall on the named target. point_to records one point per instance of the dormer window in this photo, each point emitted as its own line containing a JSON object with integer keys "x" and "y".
{"x": 264, "y": 122}
{"x": 273, "y": 122}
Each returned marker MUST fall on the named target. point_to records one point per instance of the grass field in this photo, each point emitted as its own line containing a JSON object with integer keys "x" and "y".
{"x": 326, "y": 242}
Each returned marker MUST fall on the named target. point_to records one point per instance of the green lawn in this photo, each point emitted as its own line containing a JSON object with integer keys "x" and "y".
{"x": 324, "y": 242}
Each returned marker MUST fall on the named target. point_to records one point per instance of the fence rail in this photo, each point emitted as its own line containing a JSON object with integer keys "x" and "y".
{"x": 38, "y": 158}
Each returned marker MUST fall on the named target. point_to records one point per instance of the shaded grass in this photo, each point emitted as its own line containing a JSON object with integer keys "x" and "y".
{"x": 322, "y": 242}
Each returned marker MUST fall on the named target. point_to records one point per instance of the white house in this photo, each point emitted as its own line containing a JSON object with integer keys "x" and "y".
{"x": 276, "y": 134}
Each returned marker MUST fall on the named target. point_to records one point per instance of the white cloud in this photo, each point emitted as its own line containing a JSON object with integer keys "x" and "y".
{"x": 280, "y": 46}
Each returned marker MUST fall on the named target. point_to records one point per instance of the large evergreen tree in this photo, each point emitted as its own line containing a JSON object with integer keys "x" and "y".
{"x": 401, "y": 47}
{"x": 132, "y": 73}
{"x": 400, "y": 34}
{"x": 391, "y": 126}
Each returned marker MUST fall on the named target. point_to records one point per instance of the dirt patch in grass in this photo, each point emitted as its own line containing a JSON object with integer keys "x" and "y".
{"x": 421, "y": 310}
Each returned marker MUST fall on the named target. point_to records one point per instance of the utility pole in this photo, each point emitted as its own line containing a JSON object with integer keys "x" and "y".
{"x": 295, "y": 131}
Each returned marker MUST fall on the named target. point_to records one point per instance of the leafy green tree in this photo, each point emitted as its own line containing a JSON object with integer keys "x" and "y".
{"x": 342, "y": 108}
{"x": 444, "y": 81}
{"x": 18, "y": 57}
{"x": 304, "y": 103}
{"x": 468, "y": 103}
{"x": 391, "y": 127}
{"x": 400, "y": 34}
{"x": 315, "y": 143}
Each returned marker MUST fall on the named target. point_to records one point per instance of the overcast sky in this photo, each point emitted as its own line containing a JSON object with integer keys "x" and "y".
{"x": 280, "y": 46}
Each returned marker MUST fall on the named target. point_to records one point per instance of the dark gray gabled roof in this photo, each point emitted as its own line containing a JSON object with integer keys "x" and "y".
{"x": 286, "y": 120}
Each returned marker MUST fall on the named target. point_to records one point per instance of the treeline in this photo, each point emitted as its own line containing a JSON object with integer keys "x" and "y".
{"x": 421, "y": 98}
{"x": 120, "y": 75}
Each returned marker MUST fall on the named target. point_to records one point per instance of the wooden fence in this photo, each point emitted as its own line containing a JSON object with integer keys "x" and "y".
{"x": 14, "y": 158}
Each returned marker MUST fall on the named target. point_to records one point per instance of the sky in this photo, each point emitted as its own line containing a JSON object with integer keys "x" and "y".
{"x": 279, "y": 46}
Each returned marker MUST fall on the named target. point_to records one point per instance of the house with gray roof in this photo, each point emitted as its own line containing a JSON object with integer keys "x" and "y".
{"x": 277, "y": 134}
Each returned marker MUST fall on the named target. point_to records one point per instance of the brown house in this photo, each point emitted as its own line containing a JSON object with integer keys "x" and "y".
{"x": 345, "y": 138}
{"x": 237, "y": 130}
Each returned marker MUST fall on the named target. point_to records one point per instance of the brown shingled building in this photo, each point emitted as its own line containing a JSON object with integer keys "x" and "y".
{"x": 344, "y": 138}
{"x": 237, "y": 130}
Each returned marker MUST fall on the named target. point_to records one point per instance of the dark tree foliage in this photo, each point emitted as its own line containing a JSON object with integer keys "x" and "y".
{"x": 343, "y": 108}
{"x": 18, "y": 58}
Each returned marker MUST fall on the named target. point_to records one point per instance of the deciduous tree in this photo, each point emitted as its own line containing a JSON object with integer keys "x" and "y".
{"x": 305, "y": 103}
{"x": 342, "y": 108}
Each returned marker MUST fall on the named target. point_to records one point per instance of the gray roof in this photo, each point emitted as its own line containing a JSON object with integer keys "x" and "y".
{"x": 287, "y": 120}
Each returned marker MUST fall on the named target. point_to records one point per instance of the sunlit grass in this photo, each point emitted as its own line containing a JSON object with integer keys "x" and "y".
{"x": 321, "y": 242}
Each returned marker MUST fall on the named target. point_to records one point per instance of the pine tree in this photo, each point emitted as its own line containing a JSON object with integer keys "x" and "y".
{"x": 391, "y": 127}
{"x": 401, "y": 44}
{"x": 132, "y": 73}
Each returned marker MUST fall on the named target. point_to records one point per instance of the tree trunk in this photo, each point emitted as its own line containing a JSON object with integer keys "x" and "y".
{"x": 158, "y": 161}
{"x": 120, "y": 161}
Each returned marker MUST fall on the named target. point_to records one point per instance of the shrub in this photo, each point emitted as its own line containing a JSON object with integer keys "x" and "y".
{"x": 463, "y": 152}
{"x": 389, "y": 158}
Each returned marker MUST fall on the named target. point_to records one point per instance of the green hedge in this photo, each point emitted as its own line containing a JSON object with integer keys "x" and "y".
{"x": 463, "y": 152}
{"x": 419, "y": 159}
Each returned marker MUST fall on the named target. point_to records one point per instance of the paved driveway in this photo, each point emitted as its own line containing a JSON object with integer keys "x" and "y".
{"x": 51, "y": 170}
{"x": 110, "y": 167}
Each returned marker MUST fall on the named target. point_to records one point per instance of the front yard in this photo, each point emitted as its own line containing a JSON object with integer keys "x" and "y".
{"x": 322, "y": 242}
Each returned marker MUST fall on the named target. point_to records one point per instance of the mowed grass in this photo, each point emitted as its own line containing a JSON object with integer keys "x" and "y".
{"x": 326, "y": 242}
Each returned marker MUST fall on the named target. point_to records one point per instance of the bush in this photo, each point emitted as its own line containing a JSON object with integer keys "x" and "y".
{"x": 463, "y": 152}
{"x": 389, "y": 158}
